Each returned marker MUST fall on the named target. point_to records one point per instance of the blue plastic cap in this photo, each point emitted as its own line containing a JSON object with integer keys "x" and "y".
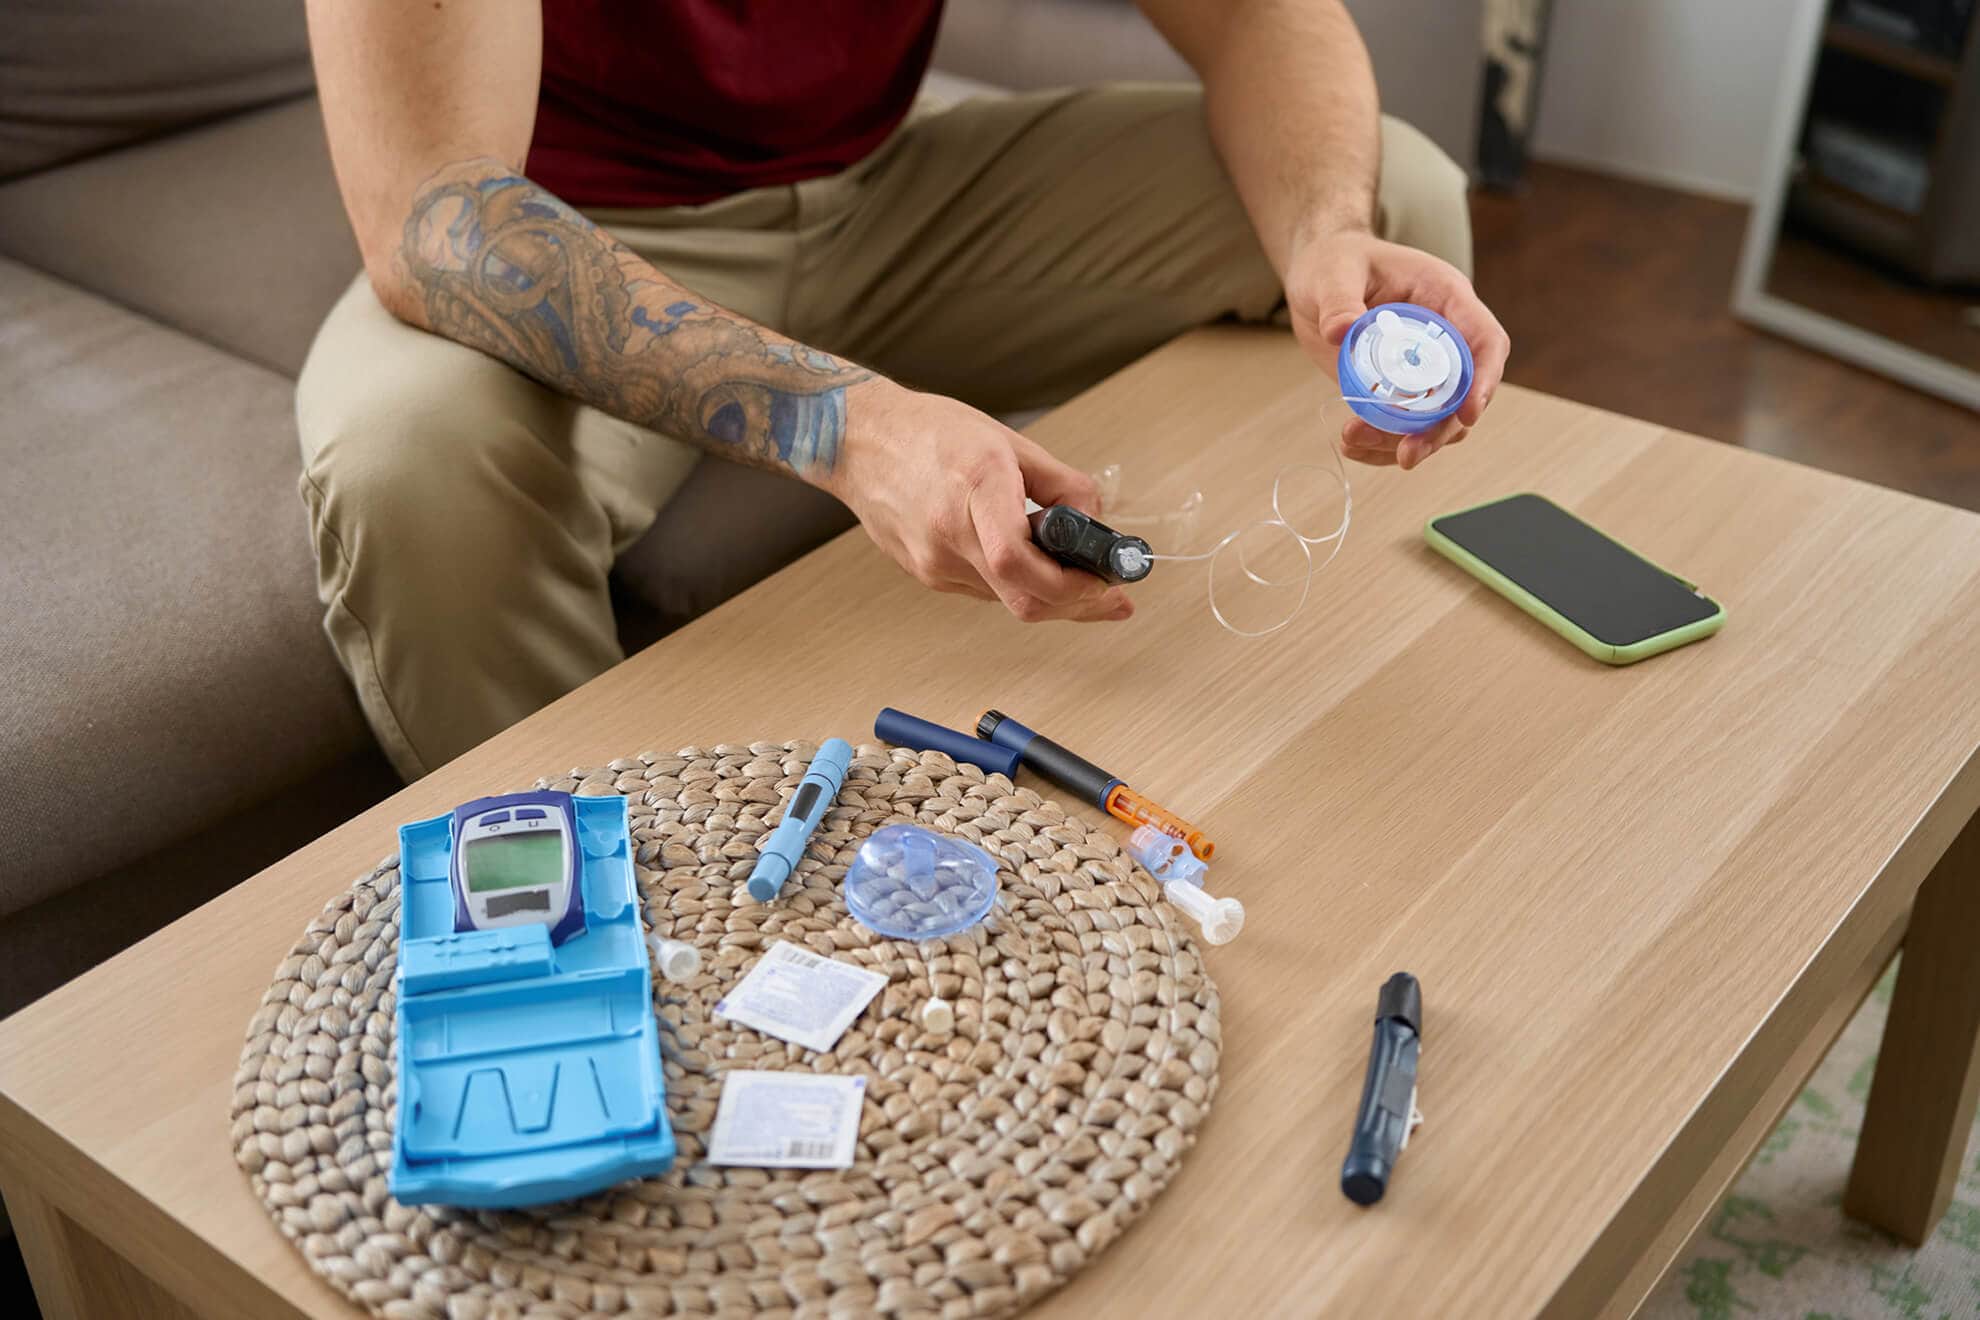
{"x": 833, "y": 757}
{"x": 1361, "y": 372}
{"x": 909, "y": 883}
{"x": 767, "y": 880}
{"x": 1364, "y": 1177}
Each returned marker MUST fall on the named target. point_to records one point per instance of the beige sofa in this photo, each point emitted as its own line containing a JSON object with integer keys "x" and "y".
{"x": 170, "y": 236}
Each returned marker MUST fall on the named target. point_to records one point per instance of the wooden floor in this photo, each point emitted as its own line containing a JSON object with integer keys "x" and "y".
{"x": 1619, "y": 294}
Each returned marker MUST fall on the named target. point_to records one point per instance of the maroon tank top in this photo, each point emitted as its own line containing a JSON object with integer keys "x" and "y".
{"x": 678, "y": 101}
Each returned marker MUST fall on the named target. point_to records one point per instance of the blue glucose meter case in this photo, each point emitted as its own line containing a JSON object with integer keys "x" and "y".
{"x": 528, "y": 1069}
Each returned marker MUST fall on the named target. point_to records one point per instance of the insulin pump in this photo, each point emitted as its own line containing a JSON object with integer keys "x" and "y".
{"x": 514, "y": 862}
{"x": 1078, "y": 540}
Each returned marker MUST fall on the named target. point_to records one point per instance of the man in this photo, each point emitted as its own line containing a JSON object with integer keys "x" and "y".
{"x": 718, "y": 227}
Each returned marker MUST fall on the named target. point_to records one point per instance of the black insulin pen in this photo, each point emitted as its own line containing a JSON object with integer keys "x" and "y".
{"x": 1388, "y": 1095}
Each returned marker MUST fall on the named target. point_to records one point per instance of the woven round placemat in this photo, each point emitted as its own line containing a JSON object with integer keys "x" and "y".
{"x": 993, "y": 1161}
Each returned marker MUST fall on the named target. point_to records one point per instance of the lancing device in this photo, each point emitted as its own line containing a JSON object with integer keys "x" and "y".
{"x": 1388, "y": 1095}
{"x": 780, "y": 852}
{"x": 1081, "y": 541}
{"x": 1076, "y": 774}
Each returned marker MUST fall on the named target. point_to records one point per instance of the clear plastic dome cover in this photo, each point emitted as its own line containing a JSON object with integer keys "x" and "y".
{"x": 909, "y": 883}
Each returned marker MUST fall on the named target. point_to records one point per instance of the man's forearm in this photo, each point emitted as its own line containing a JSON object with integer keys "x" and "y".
{"x": 1293, "y": 110}
{"x": 492, "y": 261}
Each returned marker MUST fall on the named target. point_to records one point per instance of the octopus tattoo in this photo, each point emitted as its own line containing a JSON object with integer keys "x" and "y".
{"x": 503, "y": 266}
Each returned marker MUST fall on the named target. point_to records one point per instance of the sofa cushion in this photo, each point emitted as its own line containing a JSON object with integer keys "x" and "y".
{"x": 1024, "y": 44}
{"x": 162, "y": 663}
{"x": 80, "y": 76}
{"x": 727, "y": 528}
{"x": 233, "y": 232}
{"x": 1426, "y": 53}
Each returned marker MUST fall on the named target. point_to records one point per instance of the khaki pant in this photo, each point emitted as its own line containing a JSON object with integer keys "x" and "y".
{"x": 1006, "y": 252}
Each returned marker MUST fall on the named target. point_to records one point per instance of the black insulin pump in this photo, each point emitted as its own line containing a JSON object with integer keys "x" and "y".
{"x": 1078, "y": 541}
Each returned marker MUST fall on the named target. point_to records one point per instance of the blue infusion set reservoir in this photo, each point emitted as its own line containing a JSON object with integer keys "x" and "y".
{"x": 528, "y": 1056}
{"x": 1403, "y": 368}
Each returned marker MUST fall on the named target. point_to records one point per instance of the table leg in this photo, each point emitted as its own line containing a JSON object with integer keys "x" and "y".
{"x": 1928, "y": 1069}
{"x": 38, "y": 1229}
{"x": 76, "y": 1275}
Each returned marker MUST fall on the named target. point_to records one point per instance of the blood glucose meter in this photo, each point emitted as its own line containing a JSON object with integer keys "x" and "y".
{"x": 515, "y": 862}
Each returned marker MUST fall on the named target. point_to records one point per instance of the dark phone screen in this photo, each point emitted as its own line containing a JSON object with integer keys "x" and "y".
{"x": 1606, "y": 589}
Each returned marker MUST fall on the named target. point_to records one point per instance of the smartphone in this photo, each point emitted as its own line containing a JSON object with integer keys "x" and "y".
{"x": 1590, "y": 588}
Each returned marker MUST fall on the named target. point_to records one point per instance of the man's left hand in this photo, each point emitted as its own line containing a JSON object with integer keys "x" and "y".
{"x": 1335, "y": 276}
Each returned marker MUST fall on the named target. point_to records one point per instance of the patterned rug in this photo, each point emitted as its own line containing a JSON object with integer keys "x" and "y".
{"x": 1780, "y": 1246}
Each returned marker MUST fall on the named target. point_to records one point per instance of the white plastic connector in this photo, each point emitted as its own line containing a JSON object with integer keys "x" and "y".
{"x": 1152, "y": 847}
{"x": 937, "y": 1017}
{"x": 1220, "y": 919}
{"x": 677, "y": 960}
{"x": 1164, "y": 856}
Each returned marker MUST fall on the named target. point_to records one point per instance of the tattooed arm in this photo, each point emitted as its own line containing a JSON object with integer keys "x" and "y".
{"x": 429, "y": 112}
{"x": 493, "y": 261}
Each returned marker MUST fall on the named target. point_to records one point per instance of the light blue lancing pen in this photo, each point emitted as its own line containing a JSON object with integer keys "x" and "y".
{"x": 780, "y": 852}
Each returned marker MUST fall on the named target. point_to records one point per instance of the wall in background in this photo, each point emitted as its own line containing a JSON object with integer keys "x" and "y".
{"x": 1676, "y": 92}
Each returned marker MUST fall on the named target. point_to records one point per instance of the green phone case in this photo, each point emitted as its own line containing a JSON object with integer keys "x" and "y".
{"x": 1606, "y": 652}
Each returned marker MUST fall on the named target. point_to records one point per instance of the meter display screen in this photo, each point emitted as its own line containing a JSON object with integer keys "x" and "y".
{"x": 514, "y": 861}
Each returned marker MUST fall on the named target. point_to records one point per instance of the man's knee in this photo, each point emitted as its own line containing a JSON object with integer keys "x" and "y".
{"x": 403, "y": 434}
{"x": 1423, "y": 199}
{"x": 444, "y": 528}
{"x": 380, "y": 475}
{"x": 1204, "y": 248}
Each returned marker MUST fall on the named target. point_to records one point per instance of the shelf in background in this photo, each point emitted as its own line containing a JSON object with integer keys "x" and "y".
{"x": 1868, "y": 45}
{"x": 1882, "y": 213}
{"x": 1878, "y": 229}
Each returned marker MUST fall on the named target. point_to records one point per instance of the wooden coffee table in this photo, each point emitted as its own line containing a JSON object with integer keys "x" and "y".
{"x": 1642, "y": 901}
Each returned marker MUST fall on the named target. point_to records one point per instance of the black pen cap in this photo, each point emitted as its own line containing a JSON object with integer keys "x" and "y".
{"x": 1401, "y": 998}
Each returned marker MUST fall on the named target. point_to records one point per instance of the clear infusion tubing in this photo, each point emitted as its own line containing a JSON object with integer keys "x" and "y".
{"x": 1402, "y": 369}
{"x": 1300, "y": 577}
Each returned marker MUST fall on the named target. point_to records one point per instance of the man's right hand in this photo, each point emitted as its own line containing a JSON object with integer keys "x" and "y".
{"x": 941, "y": 488}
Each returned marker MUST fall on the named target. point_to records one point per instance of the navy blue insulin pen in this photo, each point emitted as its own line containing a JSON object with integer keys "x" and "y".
{"x": 903, "y": 729}
{"x": 1388, "y": 1095}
